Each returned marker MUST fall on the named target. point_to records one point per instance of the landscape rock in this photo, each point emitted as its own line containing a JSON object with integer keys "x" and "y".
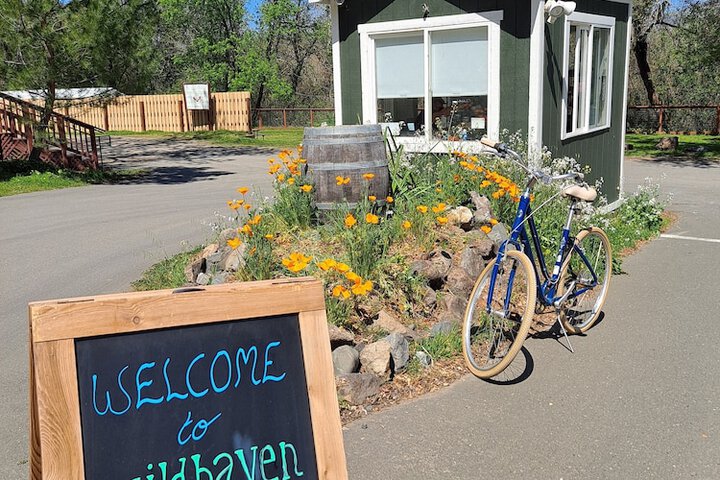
{"x": 435, "y": 266}
{"x": 498, "y": 234}
{"x": 461, "y": 216}
{"x": 481, "y": 242}
{"x": 233, "y": 259}
{"x": 375, "y": 358}
{"x": 453, "y": 306}
{"x": 483, "y": 213}
{"x": 339, "y": 336}
{"x": 213, "y": 260}
{"x": 209, "y": 250}
{"x": 219, "y": 278}
{"x": 458, "y": 282}
{"x": 424, "y": 359}
{"x": 472, "y": 261}
{"x": 667, "y": 143}
{"x": 443, "y": 327}
{"x": 356, "y": 388}
{"x": 226, "y": 235}
{"x": 345, "y": 360}
{"x": 194, "y": 268}
{"x": 430, "y": 297}
{"x": 203, "y": 279}
{"x": 387, "y": 322}
{"x": 399, "y": 351}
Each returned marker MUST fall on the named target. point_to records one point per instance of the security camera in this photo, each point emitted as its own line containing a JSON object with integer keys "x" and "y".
{"x": 557, "y": 8}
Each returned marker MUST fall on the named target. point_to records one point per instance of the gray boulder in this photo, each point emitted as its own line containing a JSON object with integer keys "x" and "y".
{"x": 399, "y": 351}
{"x": 387, "y": 322}
{"x": 345, "y": 360}
{"x": 356, "y": 388}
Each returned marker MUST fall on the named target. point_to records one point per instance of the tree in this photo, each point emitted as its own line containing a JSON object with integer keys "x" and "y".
{"x": 647, "y": 14}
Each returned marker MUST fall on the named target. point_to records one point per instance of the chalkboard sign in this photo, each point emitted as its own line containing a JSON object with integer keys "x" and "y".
{"x": 225, "y": 382}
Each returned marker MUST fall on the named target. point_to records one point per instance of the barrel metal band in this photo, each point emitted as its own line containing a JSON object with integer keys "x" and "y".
{"x": 347, "y": 166}
{"x": 328, "y": 141}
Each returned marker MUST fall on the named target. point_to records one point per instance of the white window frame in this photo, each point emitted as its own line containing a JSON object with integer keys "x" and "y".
{"x": 369, "y": 31}
{"x": 586, "y": 20}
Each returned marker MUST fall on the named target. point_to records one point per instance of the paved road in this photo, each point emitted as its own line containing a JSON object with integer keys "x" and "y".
{"x": 98, "y": 239}
{"x": 639, "y": 399}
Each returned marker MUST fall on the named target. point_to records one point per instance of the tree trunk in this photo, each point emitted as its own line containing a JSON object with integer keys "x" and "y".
{"x": 641, "y": 56}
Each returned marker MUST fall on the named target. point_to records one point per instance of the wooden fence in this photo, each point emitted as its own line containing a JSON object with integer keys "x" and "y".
{"x": 675, "y": 119}
{"x": 138, "y": 113}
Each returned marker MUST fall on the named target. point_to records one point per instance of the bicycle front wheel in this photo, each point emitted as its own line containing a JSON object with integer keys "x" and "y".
{"x": 494, "y": 330}
{"x": 587, "y": 272}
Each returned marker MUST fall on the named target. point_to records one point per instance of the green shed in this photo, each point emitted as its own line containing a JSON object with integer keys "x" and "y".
{"x": 443, "y": 73}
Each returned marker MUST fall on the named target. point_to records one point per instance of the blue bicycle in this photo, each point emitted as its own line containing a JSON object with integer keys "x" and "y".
{"x": 502, "y": 304}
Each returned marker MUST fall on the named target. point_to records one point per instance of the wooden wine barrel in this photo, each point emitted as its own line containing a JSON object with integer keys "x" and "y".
{"x": 347, "y": 152}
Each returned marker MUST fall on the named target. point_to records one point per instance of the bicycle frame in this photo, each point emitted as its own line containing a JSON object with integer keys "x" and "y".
{"x": 547, "y": 288}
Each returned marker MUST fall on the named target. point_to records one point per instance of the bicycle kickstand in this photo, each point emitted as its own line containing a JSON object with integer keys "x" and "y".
{"x": 562, "y": 329}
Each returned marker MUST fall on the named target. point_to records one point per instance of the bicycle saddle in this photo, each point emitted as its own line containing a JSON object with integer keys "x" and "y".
{"x": 586, "y": 194}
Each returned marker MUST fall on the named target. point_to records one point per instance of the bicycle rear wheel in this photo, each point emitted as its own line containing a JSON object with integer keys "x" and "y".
{"x": 493, "y": 337}
{"x": 589, "y": 278}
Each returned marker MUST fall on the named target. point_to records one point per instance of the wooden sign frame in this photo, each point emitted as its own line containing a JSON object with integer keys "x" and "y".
{"x": 56, "y": 446}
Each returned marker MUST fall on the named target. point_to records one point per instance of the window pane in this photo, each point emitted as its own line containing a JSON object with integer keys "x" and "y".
{"x": 460, "y": 117}
{"x": 600, "y": 80}
{"x": 459, "y": 62}
{"x": 581, "y": 79}
{"x": 406, "y": 112}
{"x": 570, "y": 76}
{"x": 399, "y": 66}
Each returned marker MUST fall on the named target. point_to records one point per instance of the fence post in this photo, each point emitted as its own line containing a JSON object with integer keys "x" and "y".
{"x": 312, "y": 117}
{"x": 284, "y": 118}
{"x": 93, "y": 144}
{"x": 63, "y": 140}
{"x": 106, "y": 118}
{"x": 259, "y": 119}
{"x": 180, "y": 115}
{"x": 143, "y": 126}
{"x": 248, "y": 109}
{"x": 661, "y": 120}
{"x": 717, "y": 120}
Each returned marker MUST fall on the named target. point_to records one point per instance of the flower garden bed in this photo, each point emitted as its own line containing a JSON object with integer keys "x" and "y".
{"x": 397, "y": 270}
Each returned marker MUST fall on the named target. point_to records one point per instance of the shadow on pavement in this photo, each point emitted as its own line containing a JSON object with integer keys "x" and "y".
{"x": 518, "y": 371}
{"x": 698, "y": 162}
{"x": 173, "y": 175}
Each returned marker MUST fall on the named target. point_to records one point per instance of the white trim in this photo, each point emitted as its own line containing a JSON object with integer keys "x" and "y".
{"x": 536, "y": 83}
{"x": 625, "y": 95}
{"x": 368, "y": 31}
{"x": 590, "y": 20}
{"x": 337, "y": 77}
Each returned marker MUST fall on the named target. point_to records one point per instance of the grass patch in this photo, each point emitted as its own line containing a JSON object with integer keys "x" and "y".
{"x": 688, "y": 145}
{"x": 268, "y": 137}
{"x": 443, "y": 345}
{"x": 25, "y": 176}
{"x": 168, "y": 273}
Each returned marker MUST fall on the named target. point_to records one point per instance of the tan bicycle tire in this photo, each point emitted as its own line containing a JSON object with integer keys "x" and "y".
{"x": 600, "y": 302}
{"x": 525, "y": 323}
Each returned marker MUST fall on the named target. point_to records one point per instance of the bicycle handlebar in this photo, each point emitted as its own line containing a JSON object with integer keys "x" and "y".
{"x": 502, "y": 149}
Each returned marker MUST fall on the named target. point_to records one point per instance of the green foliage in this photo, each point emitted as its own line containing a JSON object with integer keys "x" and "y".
{"x": 169, "y": 273}
{"x": 443, "y": 345}
{"x": 645, "y": 146}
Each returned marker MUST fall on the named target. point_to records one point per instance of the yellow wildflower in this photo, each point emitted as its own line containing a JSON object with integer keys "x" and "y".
{"x": 269, "y": 236}
{"x": 372, "y": 198}
{"x": 273, "y": 169}
{"x": 368, "y": 176}
{"x": 440, "y": 207}
{"x": 339, "y": 290}
{"x": 406, "y": 225}
{"x": 247, "y": 230}
{"x": 362, "y": 288}
{"x": 327, "y": 264}
{"x": 493, "y": 221}
{"x": 370, "y": 218}
{"x": 342, "y": 180}
{"x": 442, "y": 220}
{"x": 255, "y": 220}
{"x": 389, "y": 199}
{"x": 296, "y": 262}
{"x": 350, "y": 220}
{"x": 485, "y": 183}
{"x": 243, "y": 190}
{"x": 353, "y": 277}
{"x": 342, "y": 267}
{"x": 306, "y": 188}
{"x": 234, "y": 243}
{"x": 422, "y": 208}
{"x": 291, "y": 181}
{"x": 247, "y": 206}
{"x": 486, "y": 229}
{"x": 281, "y": 177}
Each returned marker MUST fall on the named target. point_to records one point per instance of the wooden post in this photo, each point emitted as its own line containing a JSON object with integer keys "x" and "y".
{"x": 717, "y": 120}
{"x": 106, "y": 118}
{"x": 93, "y": 145}
{"x": 248, "y": 111}
{"x": 259, "y": 119}
{"x": 211, "y": 115}
{"x": 284, "y": 118}
{"x": 143, "y": 126}
{"x": 66, "y": 110}
{"x": 180, "y": 115}
{"x": 63, "y": 139}
{"x": 661, "y": 120}
{"x": 312, "y": 122}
